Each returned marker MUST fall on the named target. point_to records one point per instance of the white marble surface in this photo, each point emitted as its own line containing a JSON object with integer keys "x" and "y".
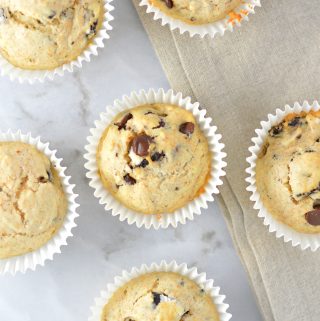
{"x": 62, "y": 112}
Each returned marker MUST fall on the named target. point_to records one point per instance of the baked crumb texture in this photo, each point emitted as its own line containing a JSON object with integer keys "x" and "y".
{"x": 196, "y": 12}
{"x": 160, "y": 296}
{"x": 288, "y": 172}
{"x": 45, "y": 34}
{"x": 154, "y": 158}
{"x": 32, "y": 202}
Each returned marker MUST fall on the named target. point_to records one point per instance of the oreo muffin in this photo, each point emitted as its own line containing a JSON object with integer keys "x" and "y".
{"x": 32, "y": 202}
{"x": 288, "y": 172}
{"x": 160, "y": 296}
{"x": 154, "y": 158}
{"x": 196, "y": 12}
{"x": 45, "y": 34}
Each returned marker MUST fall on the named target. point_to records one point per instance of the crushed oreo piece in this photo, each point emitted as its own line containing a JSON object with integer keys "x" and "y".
{"x": 2, "y": 15}
{"x": 122, "y": 124}
{"x": 129, "y": 179}
{"x": 144, "y": 163}
{"x": 157, "y": 156}
{"x": 313, "y": 217}
{"x": 187, "y": 128}
{"x": 294, "y": 122}
{"x": 140, "y": 144}
{"x": 161, "y": 124}
{"x": 158, "y": 298}
{"x": 276, "y": 130}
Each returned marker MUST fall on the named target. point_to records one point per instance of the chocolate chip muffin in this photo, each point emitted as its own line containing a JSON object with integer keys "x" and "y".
{"x": 45, "y": 34}
{"x": 154, "y": 158}
{"x": 160, "y": 296}
{"x": 32, "y": 202}
{"x": 288, "y": 172}
{"x": 196, "y": 12}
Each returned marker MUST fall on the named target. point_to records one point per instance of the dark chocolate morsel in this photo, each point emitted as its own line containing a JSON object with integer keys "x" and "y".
{"x": 157, "y": 156}
{"x": 129, "y": 180}
{"x": 169, "y": 3}
{"x": 313, "y": 217}
{"x": 140, "y": 144}
{"x": 186, "y": 128}
{"x": 122, "y": 124}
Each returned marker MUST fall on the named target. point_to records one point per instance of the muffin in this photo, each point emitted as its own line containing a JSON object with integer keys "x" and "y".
{"x": 32, "y": 201}
{"x": 45, "y": 34}
{"x": 160, "y": 296}
{"x": 196, "y": 12}
{"x": 154, "y": 158}
{"x": 288, "y": 172}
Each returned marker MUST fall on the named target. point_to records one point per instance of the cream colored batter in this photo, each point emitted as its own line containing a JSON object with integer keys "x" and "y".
{"x": 45, "y": 34}
{"x": 160, "y": 296}
{"x": 154, "y": 158}
{"x": 288, "y": 172}
{"x": 196, "y": 11}
{"x": 32, "y": 202}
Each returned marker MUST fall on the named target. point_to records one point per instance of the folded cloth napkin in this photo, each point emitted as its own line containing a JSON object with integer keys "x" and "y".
{"x": 272, "y": 60}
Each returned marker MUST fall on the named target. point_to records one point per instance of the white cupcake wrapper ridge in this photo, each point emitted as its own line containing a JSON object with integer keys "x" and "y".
{"x": 183, "y": 269}
{"x": 32, "y": 76}
{"x": 211, "y": 29}
{"x": 31, "y": 260}
{"x": 304, "y": 240}
{"x": 192, "y": 208}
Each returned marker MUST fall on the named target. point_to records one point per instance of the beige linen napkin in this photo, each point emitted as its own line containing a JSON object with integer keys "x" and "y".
{"x": 272, "y": 60}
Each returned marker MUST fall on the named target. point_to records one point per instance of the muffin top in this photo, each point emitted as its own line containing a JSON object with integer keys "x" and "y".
{"x": 45, "y": 34}
{"x": 160, "y": 296}
{"x": 32, "y": 201}
{"x": 288, "y": 172}
{"x": 154, "y": 158}
{"x": 196, "y": 11}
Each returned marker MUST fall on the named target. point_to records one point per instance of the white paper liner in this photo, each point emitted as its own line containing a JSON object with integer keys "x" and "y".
{"x": 210, "y": 29}
{"x": 164, "y": 220}
{"x": 305, "y": 240}
{"x": 32, "y": 76}
{"x": 38, "y": 257}
{"x": 191, "y": 273}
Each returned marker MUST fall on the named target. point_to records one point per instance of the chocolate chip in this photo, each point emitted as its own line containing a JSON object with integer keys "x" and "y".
{"x": 144, "y": 163}
{"x": 157, "y": 156}
{"x": 122, "y": 124}
{"x": 313, "y": 217}
{"x": 316, "y": 203}
{"x": 186, "y": 128}
{"x": 276, "y": 130}
{"x": 140, "y": 144}
{"x": 129, "y": 180}
{"x": 42, "y": 180}
{"x": 294, "y": 122}
{"x": 161, "y": 124}
{"x": 169, "y": 3}
{"x": 157, "y": 298}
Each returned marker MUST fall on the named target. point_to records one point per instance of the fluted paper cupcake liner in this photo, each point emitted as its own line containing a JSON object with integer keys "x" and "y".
{"x": 192, "y": 208}
{"x": 182, "y": 269}
{"x": 31, "y": 260}
{"x": 32, "y": 76}
{"x": 233, "y": 19}
{"x": 304, "y": 240}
